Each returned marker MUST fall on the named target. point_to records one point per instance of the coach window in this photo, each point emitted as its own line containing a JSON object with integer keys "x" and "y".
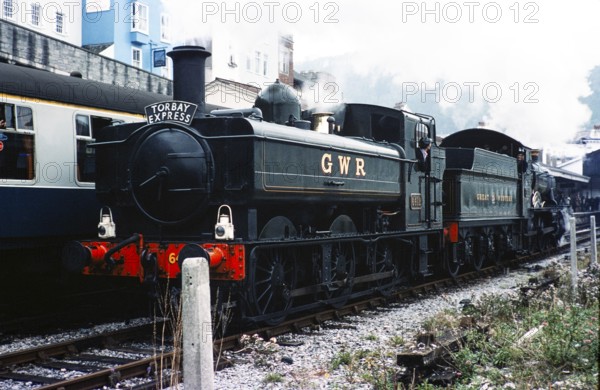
{"x": 86, "y": 127}
{"x": 16, "y": 142}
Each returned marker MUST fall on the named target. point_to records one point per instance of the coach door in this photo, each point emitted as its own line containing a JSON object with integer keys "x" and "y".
{"x": 86, "y": 127}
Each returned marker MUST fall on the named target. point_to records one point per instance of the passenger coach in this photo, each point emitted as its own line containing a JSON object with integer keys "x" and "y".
{"x": 47, "y": 170}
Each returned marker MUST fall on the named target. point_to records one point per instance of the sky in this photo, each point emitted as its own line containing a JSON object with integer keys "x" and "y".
{"x": 522, "y": 67}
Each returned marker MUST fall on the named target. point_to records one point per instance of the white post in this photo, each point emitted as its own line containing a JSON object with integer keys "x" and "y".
{"x": 573, "y": 254}
{"x": 197, "y": 326}
{"x": 593, "y": 233}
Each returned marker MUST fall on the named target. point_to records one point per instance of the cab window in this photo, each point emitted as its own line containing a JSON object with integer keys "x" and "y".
{"x": 421, "y": 131}
{"x": 17, "y": 141}
{"x": 86, "y": 127}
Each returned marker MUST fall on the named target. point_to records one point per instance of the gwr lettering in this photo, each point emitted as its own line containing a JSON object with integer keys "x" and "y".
{"x": 499, "y": 198}
{"x": 344, "y": 163}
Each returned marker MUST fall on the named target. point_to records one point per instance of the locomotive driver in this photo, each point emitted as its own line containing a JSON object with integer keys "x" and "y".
{"x": 423, "y": 154}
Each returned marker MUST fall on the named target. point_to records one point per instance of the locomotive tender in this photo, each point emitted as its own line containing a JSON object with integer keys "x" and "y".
{"x": 297, "y": 210}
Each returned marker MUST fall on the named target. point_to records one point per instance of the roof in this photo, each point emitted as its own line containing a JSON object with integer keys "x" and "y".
{"x": 565, "y": 174}
{"x": 223, "y": 93}
{"x": 484, "y": 139}
{"x": 236, "y": 86}
{"x": 97, "y": 48}
{"x": 44, "y": 85}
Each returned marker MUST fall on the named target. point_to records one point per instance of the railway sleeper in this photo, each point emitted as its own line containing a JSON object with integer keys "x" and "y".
{"x": 430, "y": 352}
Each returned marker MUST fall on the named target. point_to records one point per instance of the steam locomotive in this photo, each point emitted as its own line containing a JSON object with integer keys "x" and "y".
{"x": 296, "y": 210}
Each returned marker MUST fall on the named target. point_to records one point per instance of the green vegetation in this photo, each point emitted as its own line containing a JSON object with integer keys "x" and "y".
{"x": 545, "y": 339}
{"x": 542, "y": 339}
{"x": 273, "y": 377}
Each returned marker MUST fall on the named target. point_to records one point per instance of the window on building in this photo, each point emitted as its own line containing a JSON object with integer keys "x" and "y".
{"x": 165, "y": 28}
{"x": 232, "y": 63}
{"x": 248, "y": 63}
{"x": 136, "y": 57}
{"x": 17, "y": 140}
{"x": 36, "y": 10}
{"x": 257, "y": 58}
{"x": 8, "y": 9}
{"x": 265, "y": 64}
{"x": 60, "y": 23}
{"x": 165, "y": 71}
{"x": 139, "y": 17}
{"x": 86, "y": 128}
{"x": 284, "y": 61}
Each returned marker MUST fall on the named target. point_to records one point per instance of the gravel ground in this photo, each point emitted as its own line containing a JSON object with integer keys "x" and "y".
{"x": 309, "y": 364}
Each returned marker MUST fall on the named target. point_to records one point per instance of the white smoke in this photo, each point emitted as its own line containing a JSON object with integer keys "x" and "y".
{"x": 519, "y": 66}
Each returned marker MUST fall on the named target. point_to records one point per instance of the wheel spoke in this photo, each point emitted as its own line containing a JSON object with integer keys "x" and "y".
{"x": 341, "y": 270}
{"x": 271, "y": 275}
{"x": 383, "y": 262}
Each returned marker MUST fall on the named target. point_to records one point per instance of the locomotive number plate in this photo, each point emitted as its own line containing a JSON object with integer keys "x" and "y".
{"x": 416, "y": 201}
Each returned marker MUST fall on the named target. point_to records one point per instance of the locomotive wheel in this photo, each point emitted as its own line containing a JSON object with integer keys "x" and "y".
{"x": 271, "y": 278}
{"x": 384, "y": 262}
{"x": 465, "y": 249}
{"x": 481, "y": 252}
{"x": 451, "y": 265}
{"x": 341, "y": 273}
{"x": 501, "y": 245}
{"x": 278, "y": 228}
{"x": 541, "y": 241}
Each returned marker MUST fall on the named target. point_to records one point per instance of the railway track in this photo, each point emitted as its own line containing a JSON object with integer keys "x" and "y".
{"x": 89, "y": 368}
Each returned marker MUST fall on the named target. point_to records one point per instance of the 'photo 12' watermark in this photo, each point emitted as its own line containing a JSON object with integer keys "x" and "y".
{"x": 469, "y": 11}
{"x": 269, "y": 12}
{"x": 470, "y": 91}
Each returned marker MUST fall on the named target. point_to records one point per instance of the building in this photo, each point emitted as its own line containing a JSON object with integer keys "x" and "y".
{"x": 242, "y": 64}
{"x": 591, "y": 168}
{"x": 48, "y": 35}
{"x": 589, "y": 138}
{"x": 125, "y": 43}
{"x": 134, "y": 32}
{"x": 60, "y": 20}
{"x": 286, "y": 59}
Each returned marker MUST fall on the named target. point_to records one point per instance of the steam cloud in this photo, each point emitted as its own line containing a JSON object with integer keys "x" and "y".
{"x": 521, "y": 67}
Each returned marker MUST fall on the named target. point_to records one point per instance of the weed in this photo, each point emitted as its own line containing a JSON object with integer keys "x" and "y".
{"x": 273, "y": 377}
{"x": 372, "y": 337}
{"x": 537, "y": 340}
{"x": 342, "y": 358}
{"x": 397, "y": 341}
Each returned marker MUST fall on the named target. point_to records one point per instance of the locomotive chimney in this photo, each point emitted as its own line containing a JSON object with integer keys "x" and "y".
{"x": 188, "y": 75}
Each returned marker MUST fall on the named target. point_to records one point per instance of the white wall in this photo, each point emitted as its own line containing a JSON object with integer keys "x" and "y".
{"x": 71, "y": 10}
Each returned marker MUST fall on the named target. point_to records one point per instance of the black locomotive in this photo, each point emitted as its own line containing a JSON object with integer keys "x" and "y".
{"x": 302, "y": 209}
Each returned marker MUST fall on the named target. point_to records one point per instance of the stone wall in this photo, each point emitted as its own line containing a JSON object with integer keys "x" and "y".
{"x": 19, "y": 45}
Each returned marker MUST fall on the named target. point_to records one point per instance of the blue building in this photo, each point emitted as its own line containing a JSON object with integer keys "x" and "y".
{"x": 134, "y": 32}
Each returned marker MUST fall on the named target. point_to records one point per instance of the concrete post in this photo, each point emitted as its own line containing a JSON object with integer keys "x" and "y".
{"x": 594, "y": 244}
{"x": 573, "y": 254}
{"x": 197, "y": 326}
